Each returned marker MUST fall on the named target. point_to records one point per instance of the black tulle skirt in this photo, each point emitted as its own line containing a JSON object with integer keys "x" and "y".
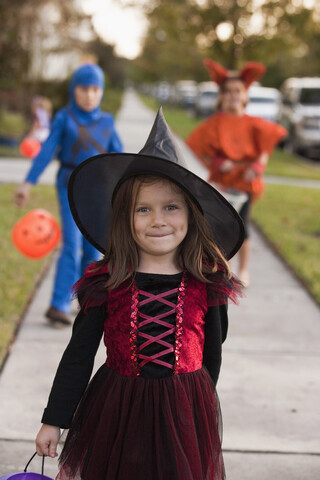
{"x": 132, "y": 428}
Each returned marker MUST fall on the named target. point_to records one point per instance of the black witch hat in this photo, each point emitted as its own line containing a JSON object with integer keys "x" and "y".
{"x": 93, "y": 184}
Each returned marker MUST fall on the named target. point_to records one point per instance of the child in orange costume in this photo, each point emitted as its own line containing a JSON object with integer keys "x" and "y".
{"x": 235, "y": 147}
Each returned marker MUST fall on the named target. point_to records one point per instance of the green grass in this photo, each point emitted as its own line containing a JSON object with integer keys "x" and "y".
{"x": 12, "y": 124}
{"x": 18, "y": 274}
{"x": 9, "y": 152}
{"x": 289, "y": 217}
{"x": 284, "y": 164}
{"x": 112, "y": 100}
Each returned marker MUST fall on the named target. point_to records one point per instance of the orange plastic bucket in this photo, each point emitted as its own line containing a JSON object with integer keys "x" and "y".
{"x": 36, "y": 234}
{"x": 30, "y": 147}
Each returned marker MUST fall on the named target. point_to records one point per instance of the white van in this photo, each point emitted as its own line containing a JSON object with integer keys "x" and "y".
{"x": 300, "y": 114}
{"x": 186, "y": 91}
{"x": 264, "y": 102}
{"x": 206, "y": 99}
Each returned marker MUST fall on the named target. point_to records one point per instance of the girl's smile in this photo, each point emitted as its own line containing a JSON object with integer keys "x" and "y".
{"x": 160, "y": 221}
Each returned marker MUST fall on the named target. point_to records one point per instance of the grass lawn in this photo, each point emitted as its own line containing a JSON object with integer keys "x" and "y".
{"x": 112, "y": 99}
{"x": 6, "y": 151}
{"x": 289, "y": 217}
{"x": 284, "y": 164}
{"x": 13, "y": 126}
{"x": 12, "y": 123}
{"x": 18, "y": 274}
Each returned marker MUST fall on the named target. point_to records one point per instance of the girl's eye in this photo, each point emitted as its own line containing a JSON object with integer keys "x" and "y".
{"x": 172, "y": 207}
{"x": 142, "y": 209}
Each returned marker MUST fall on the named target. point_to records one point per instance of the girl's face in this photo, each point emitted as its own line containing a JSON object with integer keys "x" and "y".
{"x": 88, "y": 97}
{"x": 233, "y": 97}
{"x": 160, "y": 222}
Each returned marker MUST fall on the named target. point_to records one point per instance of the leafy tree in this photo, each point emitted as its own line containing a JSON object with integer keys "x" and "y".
{"x": 31, "y": 31}
{"x": 37, "y": 27}
{"x": 170, "y": 51}
{"x": 13, "y": 55}
{"x": 279, "y": 33}
{"x": 115, "y": 67}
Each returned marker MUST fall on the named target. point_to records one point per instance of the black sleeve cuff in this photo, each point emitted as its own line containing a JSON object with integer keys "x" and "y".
{"x": 58, "y": 418}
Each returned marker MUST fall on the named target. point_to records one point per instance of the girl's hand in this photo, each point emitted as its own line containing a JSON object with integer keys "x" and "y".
{"x": 226, "y": 166}
{"x": 207, "y": 160}
{"x": 22, "y": 194}
{"x": 47, "y": 440}
{"x": 249, "y": 175}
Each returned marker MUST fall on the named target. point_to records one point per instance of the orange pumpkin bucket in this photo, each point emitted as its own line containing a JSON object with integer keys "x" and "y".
{"x": 30, "y": 147}
{"x": 36, "y": 234}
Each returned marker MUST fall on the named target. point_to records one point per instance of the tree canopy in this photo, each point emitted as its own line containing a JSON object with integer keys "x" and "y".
{"x": 30, "y": 30}
{"x": 281, "y": 34}
{"x": 32, "y": 27}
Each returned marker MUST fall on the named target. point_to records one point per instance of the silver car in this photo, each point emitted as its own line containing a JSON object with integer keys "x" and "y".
{"x": 206, "y": 99}
{"x": 300, "y": 115}
{"x": 264, "y": 102}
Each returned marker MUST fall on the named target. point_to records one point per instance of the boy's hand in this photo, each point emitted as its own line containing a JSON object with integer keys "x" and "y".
{"x": 22, "y": 194}
{"x": 47, "y": 440}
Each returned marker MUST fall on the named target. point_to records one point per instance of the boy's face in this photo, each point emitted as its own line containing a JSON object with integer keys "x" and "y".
{"x": 88, "y": 97}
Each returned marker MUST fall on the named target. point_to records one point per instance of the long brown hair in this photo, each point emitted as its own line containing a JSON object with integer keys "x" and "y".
{"x": 198, "y": 253}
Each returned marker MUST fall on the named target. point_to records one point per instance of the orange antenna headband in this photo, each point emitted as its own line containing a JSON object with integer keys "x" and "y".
{"x": 251, "y": 72}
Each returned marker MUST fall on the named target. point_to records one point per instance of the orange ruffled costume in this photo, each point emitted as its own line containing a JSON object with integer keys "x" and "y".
{"x": 241, "y": 139}
{"x": 238, "y": 138}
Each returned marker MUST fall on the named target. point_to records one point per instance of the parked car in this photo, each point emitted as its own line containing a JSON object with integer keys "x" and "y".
{"x": 205, "y": 102}
{"x": 300, "y": 114}
{"x": 186, "y": 91}
{"x": 264, "y": 102}
{"x": 164, "y": 92}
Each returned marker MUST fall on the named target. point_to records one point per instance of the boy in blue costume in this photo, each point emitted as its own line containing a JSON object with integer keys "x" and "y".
{"x": 79, "y": 130}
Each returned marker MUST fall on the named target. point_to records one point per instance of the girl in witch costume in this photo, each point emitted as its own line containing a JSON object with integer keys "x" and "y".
{"x": 159, "y": 298}
{"x": 235, "y": 147}
{"x": 79, "y": 130}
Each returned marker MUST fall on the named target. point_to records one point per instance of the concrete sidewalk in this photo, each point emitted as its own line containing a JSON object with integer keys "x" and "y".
{"x": 270, "y": 380}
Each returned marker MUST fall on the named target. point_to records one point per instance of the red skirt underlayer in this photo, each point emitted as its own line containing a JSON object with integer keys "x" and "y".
{"x": 132, "y": 428}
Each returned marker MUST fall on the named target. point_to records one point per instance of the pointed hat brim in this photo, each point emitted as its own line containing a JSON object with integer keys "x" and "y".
{"x": 94, "y": 181}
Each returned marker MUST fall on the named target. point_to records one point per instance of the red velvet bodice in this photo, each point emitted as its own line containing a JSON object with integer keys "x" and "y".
{"x": 118, "y": 336}
{"x": 118, "y": 328}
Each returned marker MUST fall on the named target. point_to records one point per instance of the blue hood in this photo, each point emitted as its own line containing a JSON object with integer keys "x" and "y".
{"x": 86, "y": 75}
